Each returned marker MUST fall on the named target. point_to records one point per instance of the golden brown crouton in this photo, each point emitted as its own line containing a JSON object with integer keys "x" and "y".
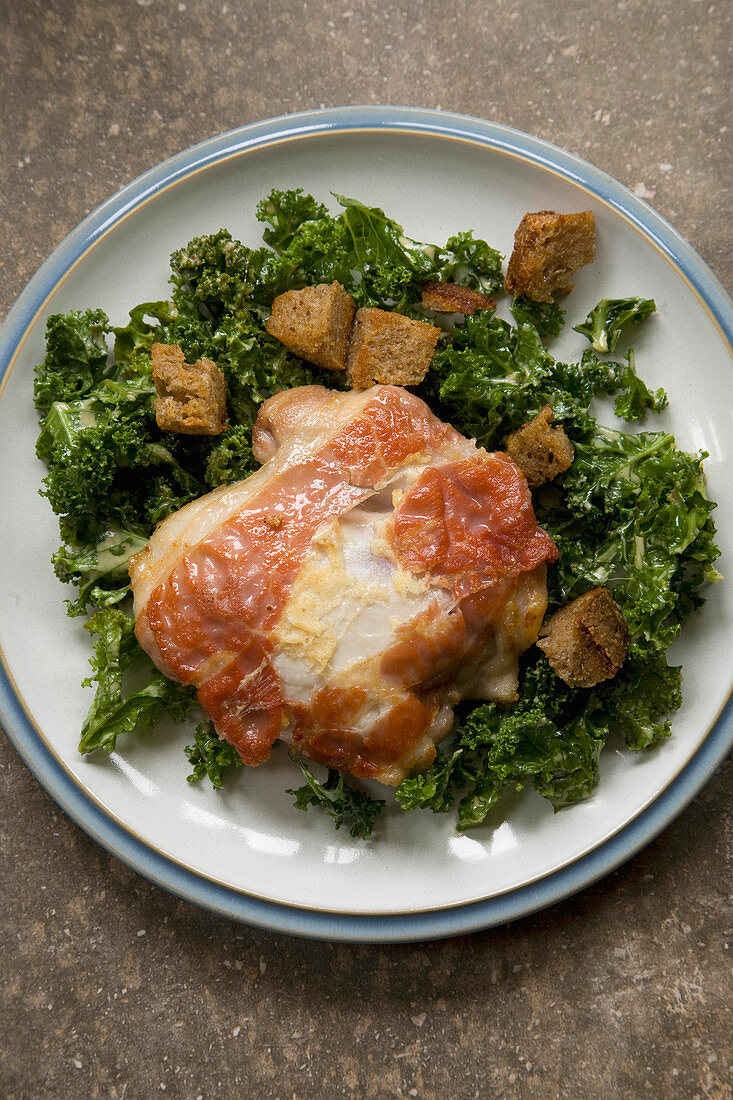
{"x": 453, "y": 298}
{"x": 587, "y": 640}
{"x": 548, "y": 249}
{"x": 540, "y": 452}
{"x": 314, "y": 323}
{"x": 390, "y": 348}
{"x": 191, "y": 399}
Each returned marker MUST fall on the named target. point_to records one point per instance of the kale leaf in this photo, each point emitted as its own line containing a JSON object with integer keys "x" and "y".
{"x": 210, "y": 755}
{"x": 552, "y": 737}
{"x": 391, "y": 265}
{"x": 116, "y": 710}
{"x": 636, "y": 516}
{"x": 99, "y": 570}
{"x": 497, "y": 748}
{"x": 434, "y": 789}
{"x": 633, "y": 403}
{"x": 231, "y": 459}
{"x": 256, "y": 365}
{"x": 547, "y": 317}
{"x": 606, "y": 323}
{"x": 366, "y": 251}
{"x": 638, "y": 699}
{"x": 285, "y": 212}
{"x": 213, "y": 275}
{"x": 141, "y": 331}
{"x": 471, "y": 262}
{"x": 108, "y": 464}
{"x": 345, "y": 804}
{"x": 76, "y": 356}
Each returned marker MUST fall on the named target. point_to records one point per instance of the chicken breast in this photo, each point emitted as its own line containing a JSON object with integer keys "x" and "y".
{"x": 377, "y": 569}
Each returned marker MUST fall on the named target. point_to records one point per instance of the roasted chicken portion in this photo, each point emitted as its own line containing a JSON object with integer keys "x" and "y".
{"x": 376, "y": 570}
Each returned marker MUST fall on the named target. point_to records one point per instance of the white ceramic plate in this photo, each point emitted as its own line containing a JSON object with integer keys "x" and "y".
{"x": 246, "y": 851}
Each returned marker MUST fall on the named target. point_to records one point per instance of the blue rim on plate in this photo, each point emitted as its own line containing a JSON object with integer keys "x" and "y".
{"x": 222, "y": 899}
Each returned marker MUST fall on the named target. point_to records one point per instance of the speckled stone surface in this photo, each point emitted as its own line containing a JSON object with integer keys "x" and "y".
{"x": 111, "y": 988}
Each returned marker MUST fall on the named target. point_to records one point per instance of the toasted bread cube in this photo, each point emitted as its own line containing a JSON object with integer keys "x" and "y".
{"x": 389, "y": 348}
{"x": 548, "y": 249}
{"x": 540, "y": 452}
{"x": 314, "y": 323}
{"x": 190, "y": 399}
{"x": 587, "y": 640}
{"x": 454, "y": 298}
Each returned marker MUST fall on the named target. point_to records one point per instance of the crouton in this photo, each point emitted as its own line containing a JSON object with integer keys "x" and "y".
{"x": 540, "y": 452}
{"x": 390, "y": 348}
{"x": 587, "y": 640}
{"x": 190, "y": 399}
{"x": 453, "y": 298}
{"x": 548, "y": 249}
{"x": 314, "y": 323}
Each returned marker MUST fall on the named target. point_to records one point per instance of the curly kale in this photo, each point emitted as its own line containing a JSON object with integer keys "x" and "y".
{"x": 142, "y": 330}
{"x": 346, "y": 805}
{"x": 492, "y": 378}
{"x": 607, "y": 322}
{"x": 117, "y": 710}
{"x": 636, "y": 517}
{"x": 471, "y": 262}
{"x": 256, "y": 365}
{"x": 76, "y": 357}
{"x": 99, "y": 570}
{"x": 309, "y": 246}
{"x": 366, "y": 251}
{"x": 211, "y": 756}
{"x": 231, "y": 459}
{"x": 108, "y": 463}
{"x": 552, "y": 737}
{"x": 285, "y": 212}
{"x": 214, "y": 275}
{"x": 636, "y": 398}
{"x": 546, "y": 317}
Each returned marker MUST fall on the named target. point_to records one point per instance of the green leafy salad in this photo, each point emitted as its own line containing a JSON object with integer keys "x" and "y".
{"x": 631, "y": 513}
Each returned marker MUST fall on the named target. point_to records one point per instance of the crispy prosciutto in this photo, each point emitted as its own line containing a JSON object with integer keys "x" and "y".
{"x": 377, "y": 569}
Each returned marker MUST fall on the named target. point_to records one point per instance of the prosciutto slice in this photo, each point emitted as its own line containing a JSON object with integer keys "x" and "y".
{"x": 377, "y": 569}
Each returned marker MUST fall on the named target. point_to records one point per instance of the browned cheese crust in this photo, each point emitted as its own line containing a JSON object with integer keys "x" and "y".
{"x": 314, "y": 323}
{"x": 540, "y": 451}
{"x": 548, "y": 249}
{"x": 389, "y": 348}
{"x": 587, "y": 640}
{"x": 191, "y": 399}
{"x": 453, "y": 298}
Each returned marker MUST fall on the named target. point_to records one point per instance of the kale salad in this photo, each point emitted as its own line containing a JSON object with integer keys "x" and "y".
{"x": 630, "y": 513}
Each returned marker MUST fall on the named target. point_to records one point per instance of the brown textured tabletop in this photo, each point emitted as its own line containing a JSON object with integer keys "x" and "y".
{"x": 112, "y": 988}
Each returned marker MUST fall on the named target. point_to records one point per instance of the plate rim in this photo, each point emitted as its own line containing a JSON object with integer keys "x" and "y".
{"x": 187, "y": 883}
